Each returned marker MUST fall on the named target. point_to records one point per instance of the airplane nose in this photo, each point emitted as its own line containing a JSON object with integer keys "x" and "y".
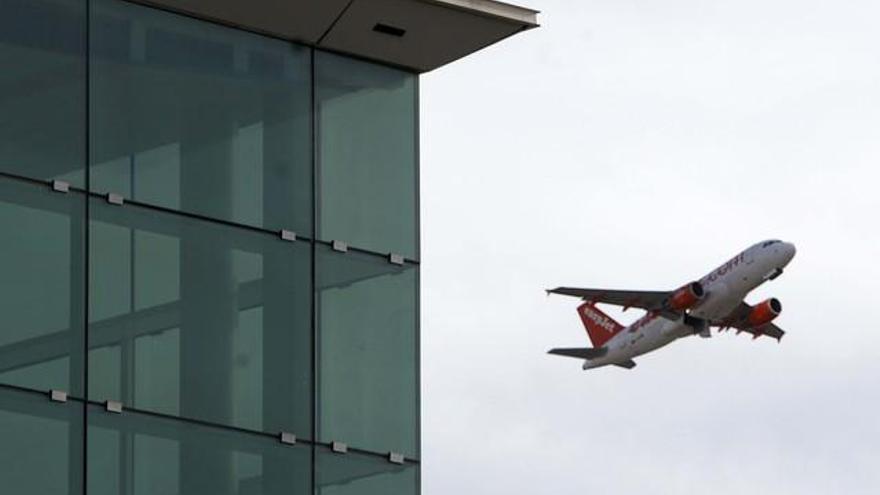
{"x": 789, "y": 251}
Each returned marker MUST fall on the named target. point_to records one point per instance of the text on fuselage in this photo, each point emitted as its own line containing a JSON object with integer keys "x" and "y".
{"x": 725, "y": 268}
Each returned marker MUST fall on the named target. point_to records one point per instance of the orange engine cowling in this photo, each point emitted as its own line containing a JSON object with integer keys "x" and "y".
{"x": 765, "y": 312}
{"x": 687, "y": 296}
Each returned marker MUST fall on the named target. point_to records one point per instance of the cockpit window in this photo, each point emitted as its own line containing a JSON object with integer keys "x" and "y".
{"x": 769, "y": 243}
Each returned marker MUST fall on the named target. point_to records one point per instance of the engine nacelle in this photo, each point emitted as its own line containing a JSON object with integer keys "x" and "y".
{"x": 686, "y": 297}
{"x": 765, "y": 312}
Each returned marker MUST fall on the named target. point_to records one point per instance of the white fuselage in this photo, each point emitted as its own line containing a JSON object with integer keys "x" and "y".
{"x": 725, "y": 287}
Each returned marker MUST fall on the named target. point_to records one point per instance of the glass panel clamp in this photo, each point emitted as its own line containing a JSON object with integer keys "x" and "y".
{"x": 339, "y": 447}
{"x": 395, "y": 458}
{"x": 58, "y": 396}
{"x": 113, "y": 406}
{"x": 395, "y": 259}
{"x": 115, "y": 199}
{"x": 288, "y": 235}
{"x": 60, "y": 186}
{"x": 340, "y": 246}
{"x": 287, "y": 438}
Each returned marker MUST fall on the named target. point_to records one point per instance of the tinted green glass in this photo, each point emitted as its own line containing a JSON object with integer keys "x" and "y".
{"x": 367, "y": 340}
{"x": 366, "y": 125}
{"x": 358, "y": 474}
{"x": 196, "y": 117}
{"x": 198, "y": 319}
{"x": 136, "y": 454}
{"x": 42, "y": 82}
{"x": 41, "y": 447}
{"x": 41, "y": 288}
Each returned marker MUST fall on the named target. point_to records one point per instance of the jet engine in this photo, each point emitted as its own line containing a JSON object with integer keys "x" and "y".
{"x": 686, "y": 297}
{"x": 765, "y": 312}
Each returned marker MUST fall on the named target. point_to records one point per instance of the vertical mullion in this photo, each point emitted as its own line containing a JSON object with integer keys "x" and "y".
{"x": 86, "y": 242}
{"x": 418, "y": 255}
{"x": 313, "y": 286}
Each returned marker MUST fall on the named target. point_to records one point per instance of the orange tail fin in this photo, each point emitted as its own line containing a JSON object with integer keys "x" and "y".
{"x": 600, "y": 327}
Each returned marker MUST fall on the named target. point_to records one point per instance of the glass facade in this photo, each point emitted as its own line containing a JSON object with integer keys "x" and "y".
{"x": 199, "y": 320}
{"x": 367, "y": 377}
{"x": 41, "y": 287}
{"x": 200, "y": 118}
{"x": 152, "y": 169}
{"x": 42, "y": 446}
{"x": 43, "y": 108}
{"x": 366, "y": 135}
{"x": 139, "y": 454}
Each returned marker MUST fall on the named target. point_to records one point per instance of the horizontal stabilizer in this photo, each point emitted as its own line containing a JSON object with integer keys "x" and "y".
{"x": 628, "y": 364}
{"x": 579, "y": 352}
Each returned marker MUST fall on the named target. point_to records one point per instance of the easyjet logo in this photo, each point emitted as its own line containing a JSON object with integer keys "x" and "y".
{"x": 599, "y": 320}
{"x": 725, "y": 268}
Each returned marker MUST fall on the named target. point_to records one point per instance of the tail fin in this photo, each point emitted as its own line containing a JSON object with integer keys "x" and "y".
{"x": 600, "y": 327}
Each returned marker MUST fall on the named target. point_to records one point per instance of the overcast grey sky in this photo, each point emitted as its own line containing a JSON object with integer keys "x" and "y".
{"x": 637, "y": 144}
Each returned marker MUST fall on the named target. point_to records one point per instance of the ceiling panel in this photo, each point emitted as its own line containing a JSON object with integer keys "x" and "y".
{"x": 433, "y": 34}
{"x": 417, "y": 34}
{"x": 300, "y": 20}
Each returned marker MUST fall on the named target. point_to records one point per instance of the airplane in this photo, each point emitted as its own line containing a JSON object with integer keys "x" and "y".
{"x": 716, "y": 300}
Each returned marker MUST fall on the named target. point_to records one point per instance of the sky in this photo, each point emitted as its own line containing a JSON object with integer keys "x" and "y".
{"x": 638, "y": 145}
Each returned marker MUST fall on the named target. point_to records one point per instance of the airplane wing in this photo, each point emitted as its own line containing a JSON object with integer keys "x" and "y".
{"x": 739, "y": 319}
{"x": 579, "y": 352}
{"x": 647, "y": 300}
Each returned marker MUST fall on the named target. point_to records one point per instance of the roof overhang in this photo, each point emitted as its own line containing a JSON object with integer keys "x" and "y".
{"x": 419, "y": 35}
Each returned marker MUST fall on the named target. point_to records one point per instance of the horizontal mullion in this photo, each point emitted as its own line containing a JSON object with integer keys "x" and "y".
{"x": 196, "y": 216}
{"x": 199, "y": 422}
{"x": 408, "y": 261}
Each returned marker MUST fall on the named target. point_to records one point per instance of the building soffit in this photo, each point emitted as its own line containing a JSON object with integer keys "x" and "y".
{"x": 419, "y": 35}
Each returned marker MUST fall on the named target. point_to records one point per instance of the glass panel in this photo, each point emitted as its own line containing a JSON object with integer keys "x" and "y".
{"x": 41, "y": 447}
{"x": 137, "y": 454}
{"x": 196, "y": 117}
{"x": 41, "y": 287}
{"x": 42, "y": 80}
{"x": 368, "y": 370}
{"x": 359, "y": 474}
{"x": 198, "y": 319}
{"x": 366, "y": 121}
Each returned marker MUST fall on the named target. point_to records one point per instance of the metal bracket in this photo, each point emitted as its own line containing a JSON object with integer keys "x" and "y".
{"x": 395, "y": 458}
{"x": 339, "y": 447}
{"x": 60, "y": 186}
{"x": 58, "y": 396}
{"x": 395, "y": 259}
{"x": 340, "y": 246}
{"x": 115, "y": 199}
{"x": 288, "y": 235}
{"x": 113, "y": 406}
{"x": 287, "y": 438}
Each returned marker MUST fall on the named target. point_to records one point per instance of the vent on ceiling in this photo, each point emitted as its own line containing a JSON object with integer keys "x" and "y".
{"x": 389, "y": 30}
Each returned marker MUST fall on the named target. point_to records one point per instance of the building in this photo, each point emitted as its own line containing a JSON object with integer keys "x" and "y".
{"x": 209, "y": 241}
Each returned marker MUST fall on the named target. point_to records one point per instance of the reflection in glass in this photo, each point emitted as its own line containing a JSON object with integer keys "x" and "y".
{"x": 358, "y": 474}
{"x": 41, "y": 447}
{"x": 200, "y": 118}
{"x": 41, "y": 287}
{"x": 42, "y": 84}
{"x": 366, "y": 125}
{"x": 135, "y": 454}
{"x": 367, "y": 347}
{"x": 200, "y": 320}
